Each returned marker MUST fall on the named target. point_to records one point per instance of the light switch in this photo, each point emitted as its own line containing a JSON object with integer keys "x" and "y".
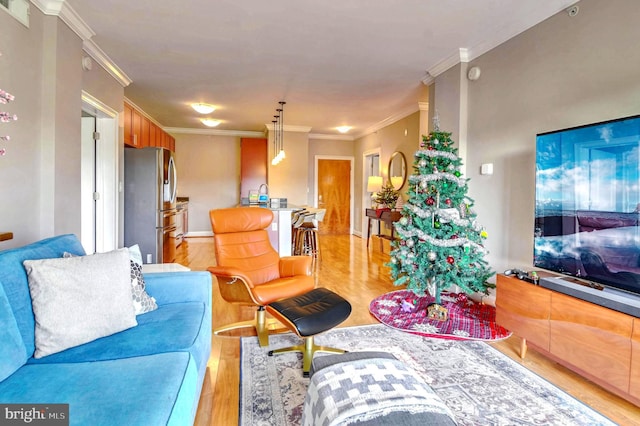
{"x": 486, "y": 169}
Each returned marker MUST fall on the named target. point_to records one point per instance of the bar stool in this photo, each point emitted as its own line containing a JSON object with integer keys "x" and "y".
{"x": 297, "y": 219}
{"x": 307, "y": 235}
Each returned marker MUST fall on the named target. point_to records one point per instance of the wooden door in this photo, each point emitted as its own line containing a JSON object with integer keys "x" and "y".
{"x": 334, "y": 195}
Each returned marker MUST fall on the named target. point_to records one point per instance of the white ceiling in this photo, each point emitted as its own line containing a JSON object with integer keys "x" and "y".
{"x": 342, "y": 62}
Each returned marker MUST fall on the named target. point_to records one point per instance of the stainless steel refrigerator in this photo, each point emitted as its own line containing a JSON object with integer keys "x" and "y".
{"x": 150, "y": 184}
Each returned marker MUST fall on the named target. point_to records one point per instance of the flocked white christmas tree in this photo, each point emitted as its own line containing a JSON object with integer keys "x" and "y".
{"x": 440, "y": 242}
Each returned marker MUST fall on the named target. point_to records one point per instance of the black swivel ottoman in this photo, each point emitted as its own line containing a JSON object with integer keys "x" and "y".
{"x": 307, "y": 315}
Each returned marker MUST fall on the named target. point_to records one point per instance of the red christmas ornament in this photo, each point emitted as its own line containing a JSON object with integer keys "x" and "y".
{"x": 462, "y": 298}
{"x": 447, "y": 202}
{"x": 431, "y": 201}
{"x": 450, "y": 260}
{"x": 454, "y": 237}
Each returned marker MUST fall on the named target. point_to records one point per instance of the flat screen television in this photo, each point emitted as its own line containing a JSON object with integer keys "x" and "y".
{"x": 588, "y": 201}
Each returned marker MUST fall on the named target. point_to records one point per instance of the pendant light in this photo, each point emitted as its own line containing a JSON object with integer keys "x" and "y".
{"x": 278, "y": 135}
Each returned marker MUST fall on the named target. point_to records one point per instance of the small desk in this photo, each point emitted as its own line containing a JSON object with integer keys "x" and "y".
{"x": 386, "y": 216}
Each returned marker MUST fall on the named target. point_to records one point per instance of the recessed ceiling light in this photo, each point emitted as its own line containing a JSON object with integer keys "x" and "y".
{"x": 343, "y": 129}
{"x": 203, "y": 108}
{"x": 210, "y": 122}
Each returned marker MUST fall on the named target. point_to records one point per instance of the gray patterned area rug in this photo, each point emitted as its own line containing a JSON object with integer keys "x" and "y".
{"x": 479, "y": 384}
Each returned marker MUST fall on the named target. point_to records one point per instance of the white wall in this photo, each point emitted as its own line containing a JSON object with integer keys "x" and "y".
{"x": 404, "y": 136}
{"x": 561, "y": 73}
{"x": 40, "y": 174}
{"x": 208, "y": 170}
{"x": 20, "y": 75}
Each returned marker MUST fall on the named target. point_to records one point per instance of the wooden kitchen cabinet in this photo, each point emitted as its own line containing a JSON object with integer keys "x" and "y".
{"x": 144, "y": 133}
{"x": 152, "y": 134}
{"x": 159, "y": 137}
{"x": 141, "y": 132}
{"x": 136, "y": 126}
{"x": 128, "y": 125}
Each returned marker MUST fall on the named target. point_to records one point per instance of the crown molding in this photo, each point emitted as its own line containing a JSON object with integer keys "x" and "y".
{"x": 67, "y": 14}
{"x": 70, "y": 17}
{"x": 389, "y": 120}
{"x": 213, "y": 132}
{"x": 49, "y": 7}
{"x": 427, "y": 79}
{"x": 105, "y": 62}
{"x": 324, "y": 136}
{"x": 461, "y": 56}
{"x": 503, "y": 34}
{"x": 497, "y": 38}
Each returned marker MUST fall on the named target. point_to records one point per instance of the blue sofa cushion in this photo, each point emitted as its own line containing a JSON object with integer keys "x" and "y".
{"x": 13, "y": 354}
{"x": 169, "y": 328}
{"x": 13, "y": 278}
{"x": 159, "y": 389}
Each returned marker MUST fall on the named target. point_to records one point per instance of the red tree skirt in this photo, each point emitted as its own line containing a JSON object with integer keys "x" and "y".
{"x": 468, "y": 320}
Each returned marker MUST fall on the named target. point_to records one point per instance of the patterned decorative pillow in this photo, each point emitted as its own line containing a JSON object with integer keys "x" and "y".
{"x": 142, "y": 302}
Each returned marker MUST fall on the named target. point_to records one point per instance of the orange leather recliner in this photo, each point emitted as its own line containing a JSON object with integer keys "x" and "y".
{"x": 248, "y": 269}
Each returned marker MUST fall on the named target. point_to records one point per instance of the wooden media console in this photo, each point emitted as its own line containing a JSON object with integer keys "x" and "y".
{"x": 596, "y": 342}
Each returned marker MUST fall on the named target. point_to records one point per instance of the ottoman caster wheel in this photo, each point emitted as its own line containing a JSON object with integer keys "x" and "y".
{"x": 270, "y": 353}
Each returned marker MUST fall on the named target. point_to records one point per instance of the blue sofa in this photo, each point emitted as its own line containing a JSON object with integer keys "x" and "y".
{"x": 150, "y": 374}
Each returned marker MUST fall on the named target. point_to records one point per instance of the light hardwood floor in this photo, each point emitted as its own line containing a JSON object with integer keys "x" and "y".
{"x": 359, "y": 275}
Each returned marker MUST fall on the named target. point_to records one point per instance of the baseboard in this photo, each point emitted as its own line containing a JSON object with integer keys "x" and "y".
{"x": 199, "y": 234}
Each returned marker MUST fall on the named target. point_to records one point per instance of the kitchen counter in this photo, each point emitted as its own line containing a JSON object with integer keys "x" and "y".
{"x": 182, "y": 219}
{"x": 280, "y": 229}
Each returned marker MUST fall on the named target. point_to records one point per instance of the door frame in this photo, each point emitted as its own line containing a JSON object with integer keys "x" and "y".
{"x": 105, "y": 221}
{"x": 366, "y": 198}
{"x": 351, "y": 184}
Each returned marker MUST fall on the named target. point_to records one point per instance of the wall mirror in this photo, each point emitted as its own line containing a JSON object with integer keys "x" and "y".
{"x": 397, "y": 172}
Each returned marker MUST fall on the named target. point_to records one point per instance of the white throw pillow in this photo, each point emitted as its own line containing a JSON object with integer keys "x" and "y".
{"x": 79, "y": 299}
{"x": 142, "y": 302}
